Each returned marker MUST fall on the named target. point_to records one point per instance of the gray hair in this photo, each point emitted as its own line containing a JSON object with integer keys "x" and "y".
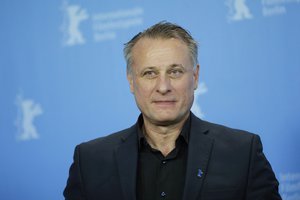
{"x": 163, "y": 30}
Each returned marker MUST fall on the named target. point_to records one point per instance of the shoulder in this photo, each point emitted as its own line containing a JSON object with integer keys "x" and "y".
{"x": 219, "y": 130}
{"x": 223, "y": 134}
{"x": 109, "y": 142}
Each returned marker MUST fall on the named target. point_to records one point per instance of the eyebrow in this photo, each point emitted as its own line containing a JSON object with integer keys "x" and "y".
{"x": 175, "y": 65}
{"x": 155, "y": 68}
{"x": 149, "y": 67}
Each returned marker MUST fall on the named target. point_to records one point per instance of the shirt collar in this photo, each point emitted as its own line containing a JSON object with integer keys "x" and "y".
{"x": 184, "y": 132}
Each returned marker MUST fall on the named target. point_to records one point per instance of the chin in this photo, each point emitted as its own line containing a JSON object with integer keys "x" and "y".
{"x": 167, "y": 120}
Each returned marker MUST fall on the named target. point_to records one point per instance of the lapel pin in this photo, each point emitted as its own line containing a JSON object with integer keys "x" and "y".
{"x": 200, "y": 173}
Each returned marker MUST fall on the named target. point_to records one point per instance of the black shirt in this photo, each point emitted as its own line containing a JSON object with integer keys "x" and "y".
{"x": 161, "y": 177}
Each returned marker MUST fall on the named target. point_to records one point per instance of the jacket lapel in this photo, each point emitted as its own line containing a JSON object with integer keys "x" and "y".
{"x": 127, "y": 156}
{"x": 199, "y": 150}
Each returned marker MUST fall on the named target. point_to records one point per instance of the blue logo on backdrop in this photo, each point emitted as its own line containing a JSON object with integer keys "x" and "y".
{"x": 104, "y": 25}
{"x": 73, "y": 16}
{"x": 28, "y": 110}
{"x": 290, "y": 186}
{"x": 238, "y": 10}
{"x": 276, "y": 7}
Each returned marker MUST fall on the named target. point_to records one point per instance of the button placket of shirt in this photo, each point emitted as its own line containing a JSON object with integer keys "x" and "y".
{"x": 162, "y": 178}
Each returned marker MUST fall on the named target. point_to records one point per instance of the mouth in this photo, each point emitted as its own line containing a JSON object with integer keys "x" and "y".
{"x": 164, "y": 103}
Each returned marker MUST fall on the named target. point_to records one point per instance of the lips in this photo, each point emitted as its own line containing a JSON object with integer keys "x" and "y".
{"x": 164, "y": 102}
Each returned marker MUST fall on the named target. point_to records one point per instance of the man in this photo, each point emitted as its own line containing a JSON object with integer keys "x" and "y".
{"x": 169, "y": 153}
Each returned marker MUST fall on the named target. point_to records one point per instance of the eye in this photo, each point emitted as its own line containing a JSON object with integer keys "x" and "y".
{"x": 176, "y": 73}
{"x": 150, "y": 74}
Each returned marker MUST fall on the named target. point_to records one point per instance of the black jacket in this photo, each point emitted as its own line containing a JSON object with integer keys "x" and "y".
{"x": 232, "y": 162}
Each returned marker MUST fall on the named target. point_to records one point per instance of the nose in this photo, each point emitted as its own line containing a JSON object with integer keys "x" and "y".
{"x": 163, "y": 84}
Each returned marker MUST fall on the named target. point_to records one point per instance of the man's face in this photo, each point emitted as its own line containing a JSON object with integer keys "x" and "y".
{"x": 163, "y": 80}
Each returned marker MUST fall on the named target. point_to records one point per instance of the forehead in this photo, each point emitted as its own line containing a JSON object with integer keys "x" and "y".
{"x": 149, "y": 51}
{"x": 149, "y": 43}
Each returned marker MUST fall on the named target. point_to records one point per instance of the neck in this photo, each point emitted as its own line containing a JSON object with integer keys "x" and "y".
{"x": 162, "y": 138}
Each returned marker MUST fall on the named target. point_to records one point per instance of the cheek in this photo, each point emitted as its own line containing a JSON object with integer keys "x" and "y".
{"x": 185, "y": 91}
{"x": 142, "y": 89}
{"x": 185, "y": 86}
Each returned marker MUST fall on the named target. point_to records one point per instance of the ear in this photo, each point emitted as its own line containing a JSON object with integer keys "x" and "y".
{"x": 196, "y": 76}
{"x": 130, "y": 81}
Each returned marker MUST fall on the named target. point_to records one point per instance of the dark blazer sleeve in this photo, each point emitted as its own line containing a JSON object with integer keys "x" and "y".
{"x": 74, "y": 188}
{"x": 262, "y": 183}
